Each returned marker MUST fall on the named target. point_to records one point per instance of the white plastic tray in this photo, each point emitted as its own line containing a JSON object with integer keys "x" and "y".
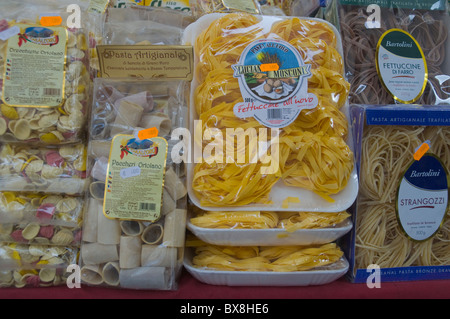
{"x": 270, "y": 237}
{"x": 323, "y": 276}
{"x": 309, "y": 201}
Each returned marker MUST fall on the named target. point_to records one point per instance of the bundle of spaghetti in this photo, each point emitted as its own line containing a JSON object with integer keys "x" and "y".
{"x": 430, "y": 30}
{"x": 277, "y": 259}
{"x": 304, "y": 28}
{"x": 218, "y": 48}
{"x": 386, "y": 152}
{"x": 317, "y": 162}
{"x": 439, "y": 138}
{"x": 236, "y": 220}
{"x": 312, "y": 220}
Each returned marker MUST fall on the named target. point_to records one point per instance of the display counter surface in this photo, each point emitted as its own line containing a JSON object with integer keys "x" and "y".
{"x": 190, "y": 288}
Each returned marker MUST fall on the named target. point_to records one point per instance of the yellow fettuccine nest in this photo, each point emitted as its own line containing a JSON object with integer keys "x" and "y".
{"x": 276, "y": 259}
{"x": 290, "y": 221}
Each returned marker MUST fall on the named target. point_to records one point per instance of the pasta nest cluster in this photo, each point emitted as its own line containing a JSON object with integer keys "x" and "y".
{"x": 313, "y": 150}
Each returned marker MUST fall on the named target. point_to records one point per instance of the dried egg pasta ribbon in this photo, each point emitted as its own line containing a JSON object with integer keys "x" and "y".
{"x": 278, "y": 259}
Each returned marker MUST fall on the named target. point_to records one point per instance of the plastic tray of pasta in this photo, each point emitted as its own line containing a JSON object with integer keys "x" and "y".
{"x": 269, "y": 115}
{"x": 268, "y": 228}
{"x": 264, "y": 266}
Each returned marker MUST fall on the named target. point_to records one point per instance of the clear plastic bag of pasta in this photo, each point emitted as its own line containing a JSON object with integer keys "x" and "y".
{"x": 33, "y": 278}
{"x": 60, "y": 170}
{"x": 48, "y": 209}
{"x": 136, "y": 214}
{"x": 39, "y": 265}
{"x": 375, "y": 76}
{"x": 402, "y": 209}
{"x": 144, "y": 26}
{"x": 47, "y": 112}
{"x": 202, "y": 7}
{"x": 289, "y": 119}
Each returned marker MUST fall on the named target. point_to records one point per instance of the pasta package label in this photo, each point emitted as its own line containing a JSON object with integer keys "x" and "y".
{"x": 32, "y": 54}
{"x": 273, "y": 80}
{"x": 419, "y": 5}
{"x": 401, "y": 66}
{"x": 135, "y": 178}
{"x": 422, "y": 199}
{"x": 173, "y": 62}
{"x": 182, "y": 5}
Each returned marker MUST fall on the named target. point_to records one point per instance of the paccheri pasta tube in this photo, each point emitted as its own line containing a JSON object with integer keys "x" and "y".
{"x": 402, "y": 210}
{"x": 267, "y": 259}
{"x": 136, "y": 217}
{"x": 237, "y": 53}
{"x": 53, "y": 111}
{"x": 374, "y": 78}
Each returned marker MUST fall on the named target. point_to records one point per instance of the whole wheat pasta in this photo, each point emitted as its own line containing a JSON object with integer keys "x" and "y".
{"x": 430, "y": 30}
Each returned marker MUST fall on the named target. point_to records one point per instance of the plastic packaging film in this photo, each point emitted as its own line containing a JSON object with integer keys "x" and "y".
{"x": 135, "y": 25}
{"x": 382, "y": 236}
{"x": 134, "y": 253}
{"x": 362, "y": 27}
{"x": 60, "y": 170}
{"x": 202, "y": 7}
{"x": 36, "y": 265}
{"x": 313, "y": 151}
{"x": 41, "y": 219}
{"x": 54, "y": 113}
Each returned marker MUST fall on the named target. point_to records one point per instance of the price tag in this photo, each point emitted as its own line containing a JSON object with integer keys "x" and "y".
{"x": 130, "y": 172}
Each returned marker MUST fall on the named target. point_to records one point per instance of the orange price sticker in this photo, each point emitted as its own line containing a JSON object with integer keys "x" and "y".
{"x": 420, "y": 152}
{"x": 148, "y": 133}
{"x": 269, "y": 67}
{"x": 51, "y": 21}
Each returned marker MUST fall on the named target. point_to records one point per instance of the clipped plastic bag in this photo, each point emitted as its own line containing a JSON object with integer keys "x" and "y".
{"x": 134, "y": 227}
{"x": 30, "y": 49}
{"x": 383, "y": 74}
{"x": 59, "y": 170}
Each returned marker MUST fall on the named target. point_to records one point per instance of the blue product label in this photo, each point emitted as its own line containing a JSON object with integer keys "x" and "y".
{"x": 422, "y": 198}
{"x": 410, "y": 116}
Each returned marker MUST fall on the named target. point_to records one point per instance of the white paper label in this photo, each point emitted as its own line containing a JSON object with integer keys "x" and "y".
{"x": 273, "y": 80}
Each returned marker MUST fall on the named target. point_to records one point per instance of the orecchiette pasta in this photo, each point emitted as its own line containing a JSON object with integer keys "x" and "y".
{"x": 43, "y": 170}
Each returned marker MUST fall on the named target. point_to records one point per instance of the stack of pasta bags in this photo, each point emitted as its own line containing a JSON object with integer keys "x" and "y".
{"x": 43, "y": 113}
{"x": 237, "y": 204}
{"x": 383, "y": 235}
{"x": 134, "y": 228}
